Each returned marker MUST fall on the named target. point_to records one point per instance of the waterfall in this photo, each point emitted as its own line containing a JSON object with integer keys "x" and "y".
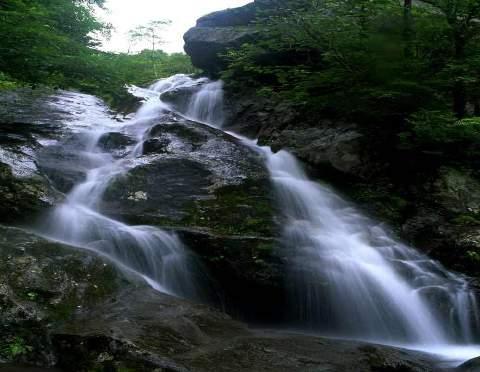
{"x": 348, "y": 277}
{"x": 156, "y": 255}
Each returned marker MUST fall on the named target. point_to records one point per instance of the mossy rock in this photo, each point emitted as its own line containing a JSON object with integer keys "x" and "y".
{"x": 23, "y": 198}
{"x": 197, "y": 177}
{"x": 458, "y": 190}
{"x": 244, "y": 209}
{"x": 44, "y": 283}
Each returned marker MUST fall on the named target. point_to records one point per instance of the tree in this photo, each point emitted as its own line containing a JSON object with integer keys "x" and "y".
{"x": 463, "y": 19}
{"x": 408, "y": 30}
{"x": 151, "y": 34}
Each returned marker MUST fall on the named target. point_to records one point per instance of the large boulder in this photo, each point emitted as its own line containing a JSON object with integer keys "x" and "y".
{"x": 215, "y": 193}
{"x": 339, "y": 147}
{"x": 215, "y": 33}
{"x": 192, "y": 175}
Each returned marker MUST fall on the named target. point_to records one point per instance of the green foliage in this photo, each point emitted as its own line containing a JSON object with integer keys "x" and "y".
{"x": 466, "y": 220}
{"x": 14, "y": 348}
{"x": 7, "y": 82}
{"x": 430, "y": 128}
{"x": 53, "y": 43}
{"x": 410, "y": 71}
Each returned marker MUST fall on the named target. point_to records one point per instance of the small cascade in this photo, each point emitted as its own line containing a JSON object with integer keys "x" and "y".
{"x": 156, "y": 255}
{"x": 200, "y": 99}
{"x": 206, "y": 105}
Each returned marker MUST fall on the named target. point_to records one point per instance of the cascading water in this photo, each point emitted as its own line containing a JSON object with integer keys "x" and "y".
{"x": 157, "y": 256}
{"x": 348, "y": 277}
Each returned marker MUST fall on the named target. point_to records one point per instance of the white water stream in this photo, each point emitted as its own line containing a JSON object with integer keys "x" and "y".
{"x": 157, "y": 256}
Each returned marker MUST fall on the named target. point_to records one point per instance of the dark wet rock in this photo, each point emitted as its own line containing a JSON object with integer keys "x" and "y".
{"x": 156, "y": 146}
{"x": 214, "y": 190}
{"x": 24, "y": 190}
{"x": 34, "y": 166}
{"x": 66, "y": 308}
{"x": 115, "y": 141}
{"x": 42, "y": 284}
{"x": 192, "y": 175}
{"x": 151, "y": 193}
{"x": 239, "y": 262}
{"x": 217, "y": 32}
{"x": 340, "y": 148}
{"x": 64, "y": 165}
{"x": 179, "y": 98}
{"x": 33, "y": 108}
{"x": 472, "y": 365}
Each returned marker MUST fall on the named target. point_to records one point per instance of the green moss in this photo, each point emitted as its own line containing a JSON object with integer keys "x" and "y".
{"x": 382, "y": 203}
{"x": 14, "y": 348}
{"x": 466, "y": 220}
{"x": 473, "y": 256}
{"x": 235, "y": 210}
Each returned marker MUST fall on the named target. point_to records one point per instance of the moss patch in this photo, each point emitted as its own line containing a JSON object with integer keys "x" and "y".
{"x": 382, "y": 202}
{"x": 235, "y": 210}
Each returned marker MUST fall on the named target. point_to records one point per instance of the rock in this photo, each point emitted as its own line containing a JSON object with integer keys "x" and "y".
{"x": 67, "y": 163}
{"x": 195, "y": 176}
{"x": 24, "y": 190}
{"x": 115, "y": 141}
{"x": 215, "y": 192}
{"x": 64, "y": 163}
{"x": 239, "y": 262}
{"x": 230, "y": 17}
{"x": 42, "y": 284}
{"x": 217, "y": 32}
{"x": 472, "y": 365}
{"x": 206, "y": 44}
{"x": 180, "y": 97}
{"x": 337, "y": 147}
{"x": 66, "y": 308}
{"x": 458, "y": 191}
{"x": 33, "y": 165}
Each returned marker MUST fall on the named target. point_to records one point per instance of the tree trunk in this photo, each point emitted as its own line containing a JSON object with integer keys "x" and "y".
{"x": 408, "y": 28}
{"x": 459, "y": 89}
{"x": 476, "y": 107}
{"x": 153, "y": 57}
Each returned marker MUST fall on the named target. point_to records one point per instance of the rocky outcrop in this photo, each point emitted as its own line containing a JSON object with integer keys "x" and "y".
{"x": 194, "y": 176}
{"x": 25, "y": 191}
{"x": 340, "y": 147}
{"x": 214, "y": 192}
{"x": 215, "y": 33}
